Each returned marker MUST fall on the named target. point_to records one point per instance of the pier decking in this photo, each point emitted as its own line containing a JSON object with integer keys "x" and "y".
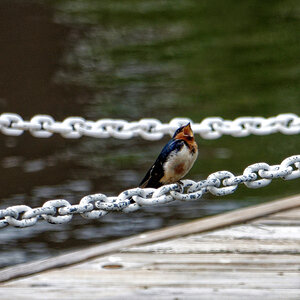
{"x": 220, "y": 257}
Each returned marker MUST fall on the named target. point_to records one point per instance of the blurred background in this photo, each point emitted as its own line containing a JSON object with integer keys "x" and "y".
{"x": 134, "y": 59}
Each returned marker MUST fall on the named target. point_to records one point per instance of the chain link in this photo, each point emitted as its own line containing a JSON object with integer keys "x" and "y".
{"x": 95, "y": 206}
{"x": 44, "y": 126}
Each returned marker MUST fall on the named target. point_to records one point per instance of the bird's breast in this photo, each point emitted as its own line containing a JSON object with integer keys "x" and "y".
{"x": 178, "y": 164}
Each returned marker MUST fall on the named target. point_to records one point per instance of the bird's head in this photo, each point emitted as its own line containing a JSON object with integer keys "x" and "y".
{"x": 184, "y": 133}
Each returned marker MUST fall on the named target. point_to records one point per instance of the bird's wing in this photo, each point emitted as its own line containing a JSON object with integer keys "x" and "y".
{"x": 156, "y": 172}
{"x": 153, "y": 176}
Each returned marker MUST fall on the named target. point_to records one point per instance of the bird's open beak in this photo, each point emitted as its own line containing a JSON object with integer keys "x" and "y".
{"x": 187, "y": 130}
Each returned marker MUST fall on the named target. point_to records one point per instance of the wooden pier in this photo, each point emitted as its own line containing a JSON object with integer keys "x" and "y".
{"x": 250, "y": 253}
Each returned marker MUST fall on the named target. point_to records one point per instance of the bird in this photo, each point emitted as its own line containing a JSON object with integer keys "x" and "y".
{"x": 175, "y": 160}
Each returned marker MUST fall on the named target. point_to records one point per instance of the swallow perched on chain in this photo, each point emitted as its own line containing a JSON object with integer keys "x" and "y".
{"x": 174, "y": 161}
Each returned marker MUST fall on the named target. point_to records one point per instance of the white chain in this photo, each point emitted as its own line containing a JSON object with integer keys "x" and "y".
{"x": 95, "y": 206}
{"x": 43, "y": 126}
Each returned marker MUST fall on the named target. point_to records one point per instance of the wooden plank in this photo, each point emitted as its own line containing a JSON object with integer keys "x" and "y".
{"x": 72, "y": 279}
{"x": 209, "y": 223}
{"x": 284, "y": 218}
{"x": 144, "y": 260}
{"x": 256, "y": 231}
{"x": 151, "y": 292}
{"x": 219, "y": 245}
{"x": 290, "y": 214}
{"x": 200, "y": 262}
{"x": 138, "y": 276}
{"x": 277, "y": 222}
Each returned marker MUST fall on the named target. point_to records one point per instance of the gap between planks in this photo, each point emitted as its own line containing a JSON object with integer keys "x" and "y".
{"x": 197, "y": 226}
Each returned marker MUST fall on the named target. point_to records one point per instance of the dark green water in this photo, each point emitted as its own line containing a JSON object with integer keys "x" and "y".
{"x": 130, "y": 60}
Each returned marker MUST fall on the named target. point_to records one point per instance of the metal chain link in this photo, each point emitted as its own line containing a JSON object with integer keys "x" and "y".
{"x": 44, "y": 126}
{"x": 221, "y": 183}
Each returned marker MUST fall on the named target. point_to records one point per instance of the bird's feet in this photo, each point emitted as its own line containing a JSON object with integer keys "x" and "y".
{"x": 180, "y": 185}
